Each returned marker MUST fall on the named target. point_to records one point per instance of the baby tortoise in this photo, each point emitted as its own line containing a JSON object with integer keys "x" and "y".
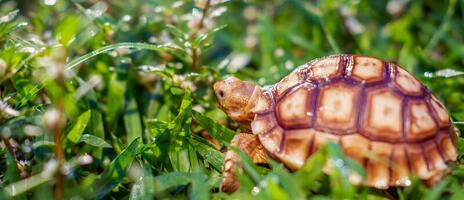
{"x": 380, "y": 115}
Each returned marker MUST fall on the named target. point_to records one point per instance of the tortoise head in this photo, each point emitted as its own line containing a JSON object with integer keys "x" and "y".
{"x": 237, "y": 98}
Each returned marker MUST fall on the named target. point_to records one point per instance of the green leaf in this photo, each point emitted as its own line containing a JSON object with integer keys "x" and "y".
{"x": 79, "y": 127}
{"x": 95, "y": 125}
{"x": 115, "y": 171}
{"x": 116, "y": 92}
{"x": 219, "y": 132}
{"x": 287, "y": 181}
{"x": 109, "y": 48}
{"x": 209, "y": 153}
{"x": 132, "y": 121}
{"x": 198, "y": 189}
{"x": 94, "y": 141}
{"x": 66, "y": 30}
{"x": 180, "y": 129}
{"x": 170, "y": 180}
{"x": 312, "y": 170}
{"x": 22, "y": 186}
{"x": 143, "y": 189}
{"x": 8, "y": 24}
{"x": 248, "y": 165}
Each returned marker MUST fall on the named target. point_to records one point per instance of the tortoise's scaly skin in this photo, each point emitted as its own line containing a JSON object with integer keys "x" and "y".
{"x": 380, "y": 115}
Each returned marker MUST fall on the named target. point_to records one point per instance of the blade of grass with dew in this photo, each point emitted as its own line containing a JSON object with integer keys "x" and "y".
{"x": 94, "y": 141}
{"x": 132, "y": 121}
{"x": 12, "y": 172}
{"x": 115, "y": 171}
{"x": 95, "y": 125}
{"x": 286, "y": 180}
{"x": 79, "y": 127}
{"x": 143, "y": 189}
{"x": 340, "y": 187}
{"x": 8, "y": 24}
{"x": 179, "y": 150}
{"x": 112, "y": 47}
{"x": 438, "y": 190}
{"x": 311, "y": 171}
{"x": 170, "y": 180}
{"x": 21, "y": 187}
{"x": 116, "y": 91}
{"x": 199, "y": 189}
{"x": 211, "y": 155}
{"x": 219, "y": 132}
{"x": 248, "y": 165}
{"x": 65, "y": 32}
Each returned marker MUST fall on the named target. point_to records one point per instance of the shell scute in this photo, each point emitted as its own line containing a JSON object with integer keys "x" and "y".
{"x": 367, "y": 69}
{"x": 263, "y": 123}
{"x": 440, "y": 111}
{"x": 288, "y": 82}
{"x": 446, "y": 144}
{"x": 322, "y": 138}
{"x": 405, "y": 82}
{"x": 295, "y": 111}
{"x": 325, "y": 68}
{"x": 296, "y": 147}
{"x": 383, "y": 114}
{"x": 356, "y": 146}
{"x": 399, "y": 167}
{"x": 378, "y": 166}
{"x": 419, "y": 121}
{"x": 336, "y": 108}
{"x": 417, "y": 160}
{"x": 272, "y": 139}
{"x": 434, "y": 159}
{"x": 264, "y": 103}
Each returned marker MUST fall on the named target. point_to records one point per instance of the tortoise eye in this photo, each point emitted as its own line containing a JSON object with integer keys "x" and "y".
{"x": 221, "y": 93}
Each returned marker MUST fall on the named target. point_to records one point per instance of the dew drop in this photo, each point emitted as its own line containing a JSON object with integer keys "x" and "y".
{"x": 49, "y": 2}
{"x": 126, "y": 18}
{"x": 255, "y": 190}
{"x": 339, "y": 163}
{"x": 428, "y": 74}
{"x": 10, "y": 16}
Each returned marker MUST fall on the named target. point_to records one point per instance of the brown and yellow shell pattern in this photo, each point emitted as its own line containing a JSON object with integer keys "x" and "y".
{"x": 380, "y": 115}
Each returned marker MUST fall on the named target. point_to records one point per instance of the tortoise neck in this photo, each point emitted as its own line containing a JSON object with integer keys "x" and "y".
{"x": 253, "y": 99}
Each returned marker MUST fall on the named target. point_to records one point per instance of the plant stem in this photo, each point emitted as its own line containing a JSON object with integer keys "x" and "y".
{"x": 195, "y": 54}
{"x": 59, "y": 154}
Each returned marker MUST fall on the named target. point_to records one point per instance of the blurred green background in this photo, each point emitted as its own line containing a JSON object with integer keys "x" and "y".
{"x": 113, "y": 99}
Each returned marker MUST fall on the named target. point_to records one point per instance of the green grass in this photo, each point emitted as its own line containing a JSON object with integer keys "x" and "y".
{"x": 110, "y": 99}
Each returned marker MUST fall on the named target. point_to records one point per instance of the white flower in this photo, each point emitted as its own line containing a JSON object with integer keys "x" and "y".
{"x": 84, "y": 159}
{"x": 238, "y": 61}
{"x": 49, "y": 168}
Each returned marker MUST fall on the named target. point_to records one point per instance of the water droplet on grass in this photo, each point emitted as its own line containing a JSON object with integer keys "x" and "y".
{"x": 126, "y": 18}
{"x": 97, "y": 10}
{"x": 445, "y": 73}
{"x": 8, "y": 17}
{"x": 49, "y": 2}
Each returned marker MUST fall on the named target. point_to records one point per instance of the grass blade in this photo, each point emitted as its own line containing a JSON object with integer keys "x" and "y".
{"x": 94, "y": 141}
{"x": 132, "y": 121}
{"x": 79, "y": 127}
{"x": 115, "y": 171}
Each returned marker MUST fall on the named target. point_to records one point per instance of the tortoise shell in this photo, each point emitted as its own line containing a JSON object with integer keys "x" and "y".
{"x": 381, "y": 116}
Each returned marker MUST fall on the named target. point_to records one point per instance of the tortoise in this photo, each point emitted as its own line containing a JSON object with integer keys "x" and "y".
{"x": 381, "y": 116}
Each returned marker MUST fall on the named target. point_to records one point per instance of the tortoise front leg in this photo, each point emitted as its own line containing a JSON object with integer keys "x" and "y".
{"x": 251, "y": 145}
